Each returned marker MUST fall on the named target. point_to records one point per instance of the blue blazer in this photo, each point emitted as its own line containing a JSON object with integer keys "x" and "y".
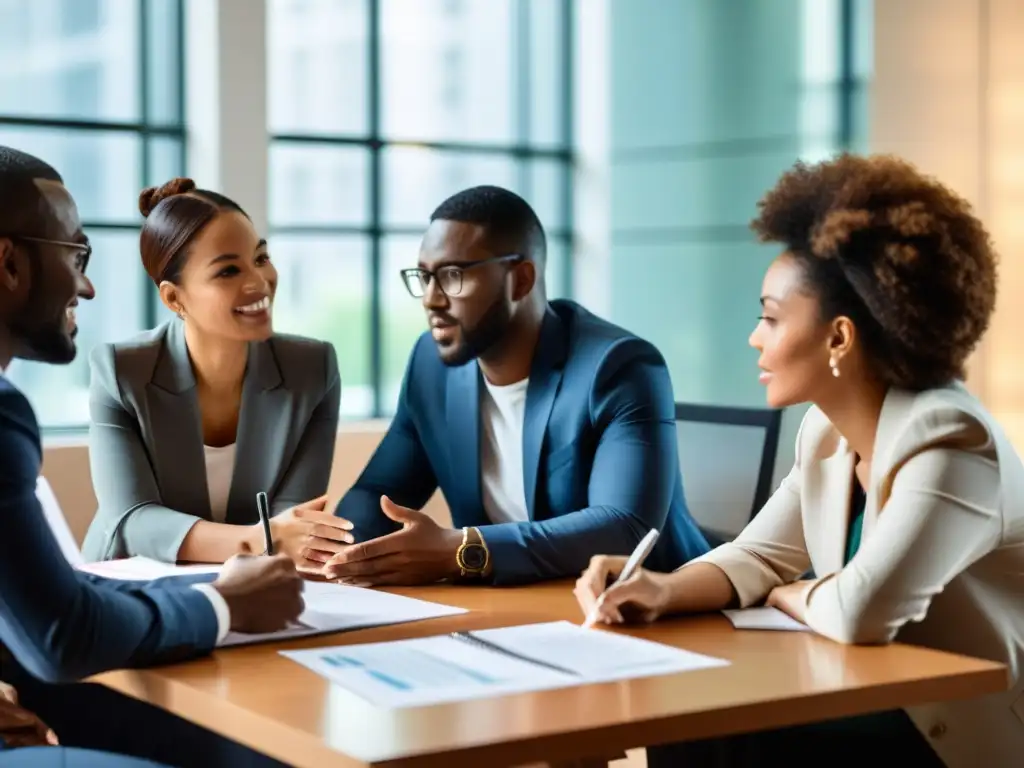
{"x": 64, "y": 625}
{"x": 599, "y": 453}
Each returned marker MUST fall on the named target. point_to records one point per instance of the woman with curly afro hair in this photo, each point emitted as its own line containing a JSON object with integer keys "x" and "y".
{"x": 906, "y": 500}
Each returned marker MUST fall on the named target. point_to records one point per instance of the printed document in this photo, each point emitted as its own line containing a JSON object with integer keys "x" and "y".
{"x": 143, "y": 569}
{"x": 329, "y": 607}
{"x": 493, "y": 662}
{"x": 339, "y": 608}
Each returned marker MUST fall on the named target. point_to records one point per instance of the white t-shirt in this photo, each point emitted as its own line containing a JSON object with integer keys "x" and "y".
{"x": 502, "y": 411}
{"x": 220, "y": 466}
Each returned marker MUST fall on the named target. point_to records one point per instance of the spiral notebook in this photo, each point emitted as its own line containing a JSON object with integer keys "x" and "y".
{"x": 493, "y": 662}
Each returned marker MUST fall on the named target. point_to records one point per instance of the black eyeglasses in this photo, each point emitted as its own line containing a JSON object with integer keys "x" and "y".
{"x": 448, "y": 276}
{"x": 84, "y": 250}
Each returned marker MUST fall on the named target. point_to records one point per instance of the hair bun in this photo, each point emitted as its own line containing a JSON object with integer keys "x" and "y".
{"x": 151, "y": 196}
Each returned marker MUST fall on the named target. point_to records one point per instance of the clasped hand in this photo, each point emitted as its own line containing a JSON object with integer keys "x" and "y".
{"x": 421, "y": 552}
{"x": 309, "y": 534}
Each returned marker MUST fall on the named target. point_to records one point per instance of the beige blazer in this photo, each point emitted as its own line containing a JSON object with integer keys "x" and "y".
{"x": 941, "y": 561}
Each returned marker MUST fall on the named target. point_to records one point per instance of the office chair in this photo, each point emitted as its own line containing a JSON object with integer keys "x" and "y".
{"x": 727, "y": 456}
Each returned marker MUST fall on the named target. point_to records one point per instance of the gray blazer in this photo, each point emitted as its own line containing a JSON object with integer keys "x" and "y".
{"x": 146, "y": 443}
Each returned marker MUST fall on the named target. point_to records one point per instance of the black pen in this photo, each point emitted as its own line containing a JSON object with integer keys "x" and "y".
{"x": 264, "y": 509}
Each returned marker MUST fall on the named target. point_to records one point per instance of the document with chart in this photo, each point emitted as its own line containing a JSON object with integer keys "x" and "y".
{"x": 493, "y": 662}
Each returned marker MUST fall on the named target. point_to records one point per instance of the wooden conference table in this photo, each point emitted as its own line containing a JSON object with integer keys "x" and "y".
{"x": 259, "y": 698}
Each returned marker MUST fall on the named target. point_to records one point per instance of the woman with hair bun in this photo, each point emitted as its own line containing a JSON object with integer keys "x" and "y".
{"x": 191, "y": 420}
{"x": 906, "y": 500}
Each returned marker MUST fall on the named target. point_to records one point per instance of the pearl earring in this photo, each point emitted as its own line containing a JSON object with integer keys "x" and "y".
{"x": 835, "y": 367}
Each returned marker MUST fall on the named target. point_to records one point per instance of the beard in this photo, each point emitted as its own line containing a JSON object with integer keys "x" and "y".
{"x": 42, "y": 339}
{"x": 473, "y": 342}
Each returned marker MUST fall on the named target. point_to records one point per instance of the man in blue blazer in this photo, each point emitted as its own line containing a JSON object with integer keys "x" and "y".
{"x": 550, "y": 431}
{"x": 57, "y": 623}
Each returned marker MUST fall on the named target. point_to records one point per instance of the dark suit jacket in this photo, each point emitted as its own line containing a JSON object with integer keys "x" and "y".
{"x": 146, "y": 441}
{"x": 64, "y": 625}
{"x": 599, "y": 452}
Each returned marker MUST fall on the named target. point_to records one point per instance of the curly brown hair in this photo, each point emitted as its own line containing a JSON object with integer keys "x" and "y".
{"x": 897, "y": 252}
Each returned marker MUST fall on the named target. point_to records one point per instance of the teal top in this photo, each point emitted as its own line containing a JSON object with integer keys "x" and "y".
{"x": 857, "y": 502}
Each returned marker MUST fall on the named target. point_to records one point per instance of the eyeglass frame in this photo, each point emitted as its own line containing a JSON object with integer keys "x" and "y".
{"x": 461, "y": 265}
{"x": 84, "y": 248}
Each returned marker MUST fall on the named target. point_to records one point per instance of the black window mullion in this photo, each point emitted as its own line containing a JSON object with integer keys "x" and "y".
{"x": 568, "y": 139}
{"x": 149, "y": 307}
{"x": 847, "y": 41}
{"x": 522, "y": 93}
{"x": 376, "y": 203}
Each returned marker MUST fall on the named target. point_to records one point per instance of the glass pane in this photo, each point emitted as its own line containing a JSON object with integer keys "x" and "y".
{"x": 318, "y": 184}
{"x": 163, "y": 52}
{"x": 447, "y": 70}
{"x": 316, "y": 73}
{"x": 554, "y": 273}
{"x": 324, "y": 292}
{"x": 417, "y": 180}
{"x": 819, "y": 111}
{"x": 60, "y": 394}
{"x": 404, "y": 319}
{"x": 71, "y": 59}
{"x": 166, "y": 158}
{"x": 547, "y": 72}
{"x": 863, "y": 39}
{"x": 101, "y": 168}
{"x": 546, "y": 193}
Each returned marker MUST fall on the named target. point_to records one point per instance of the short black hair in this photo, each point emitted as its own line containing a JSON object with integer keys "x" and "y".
{"x": 17, "y": 166}
{"x": 510, "y": 222}
{"x": 17, "y": 193}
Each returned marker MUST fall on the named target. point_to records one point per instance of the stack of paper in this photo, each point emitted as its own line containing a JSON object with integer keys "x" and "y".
{"x": 143, "y": 569}
{"x": 329, "y": 607}
{"x": 493, "y": 662}
{"x": 338, "y": 608}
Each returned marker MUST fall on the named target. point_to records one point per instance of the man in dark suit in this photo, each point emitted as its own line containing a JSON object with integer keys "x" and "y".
{"x": 57, "y": 623}
{"x": 550, "y": 431}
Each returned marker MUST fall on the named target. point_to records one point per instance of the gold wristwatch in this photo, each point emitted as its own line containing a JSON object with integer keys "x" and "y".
{"x": 472, "y": 556}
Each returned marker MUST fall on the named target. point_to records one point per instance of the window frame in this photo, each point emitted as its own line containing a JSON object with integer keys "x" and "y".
{"x": 376, "y": 230}
{"x": 147, "y": 130}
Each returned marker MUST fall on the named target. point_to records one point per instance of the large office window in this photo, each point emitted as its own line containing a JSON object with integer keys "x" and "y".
{"x": 753, "y": 87}
{"x": 380, "y": 109}
{"x": 94, "y": 87}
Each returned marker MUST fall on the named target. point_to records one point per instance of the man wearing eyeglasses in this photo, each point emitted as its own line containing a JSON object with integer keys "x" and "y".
{"x": 56, "y": 623}
{"x": 550, "y": 431}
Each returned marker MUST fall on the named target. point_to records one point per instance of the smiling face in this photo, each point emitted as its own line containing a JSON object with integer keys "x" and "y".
{"x": 228, "y": 283}
{"x": 795, "y": 342}
{"x": 44, "y": 275}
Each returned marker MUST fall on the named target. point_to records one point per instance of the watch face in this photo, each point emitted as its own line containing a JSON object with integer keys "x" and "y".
{"x": 474, "y": 556}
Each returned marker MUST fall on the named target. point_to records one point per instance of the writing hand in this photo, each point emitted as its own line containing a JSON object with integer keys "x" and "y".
{"x": 642, "y": 597}
{"x": 264, "y": 594}
{"x": 422, "y": 552}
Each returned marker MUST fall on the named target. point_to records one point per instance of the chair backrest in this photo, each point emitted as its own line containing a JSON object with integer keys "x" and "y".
{"x": 727, "y": 456}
